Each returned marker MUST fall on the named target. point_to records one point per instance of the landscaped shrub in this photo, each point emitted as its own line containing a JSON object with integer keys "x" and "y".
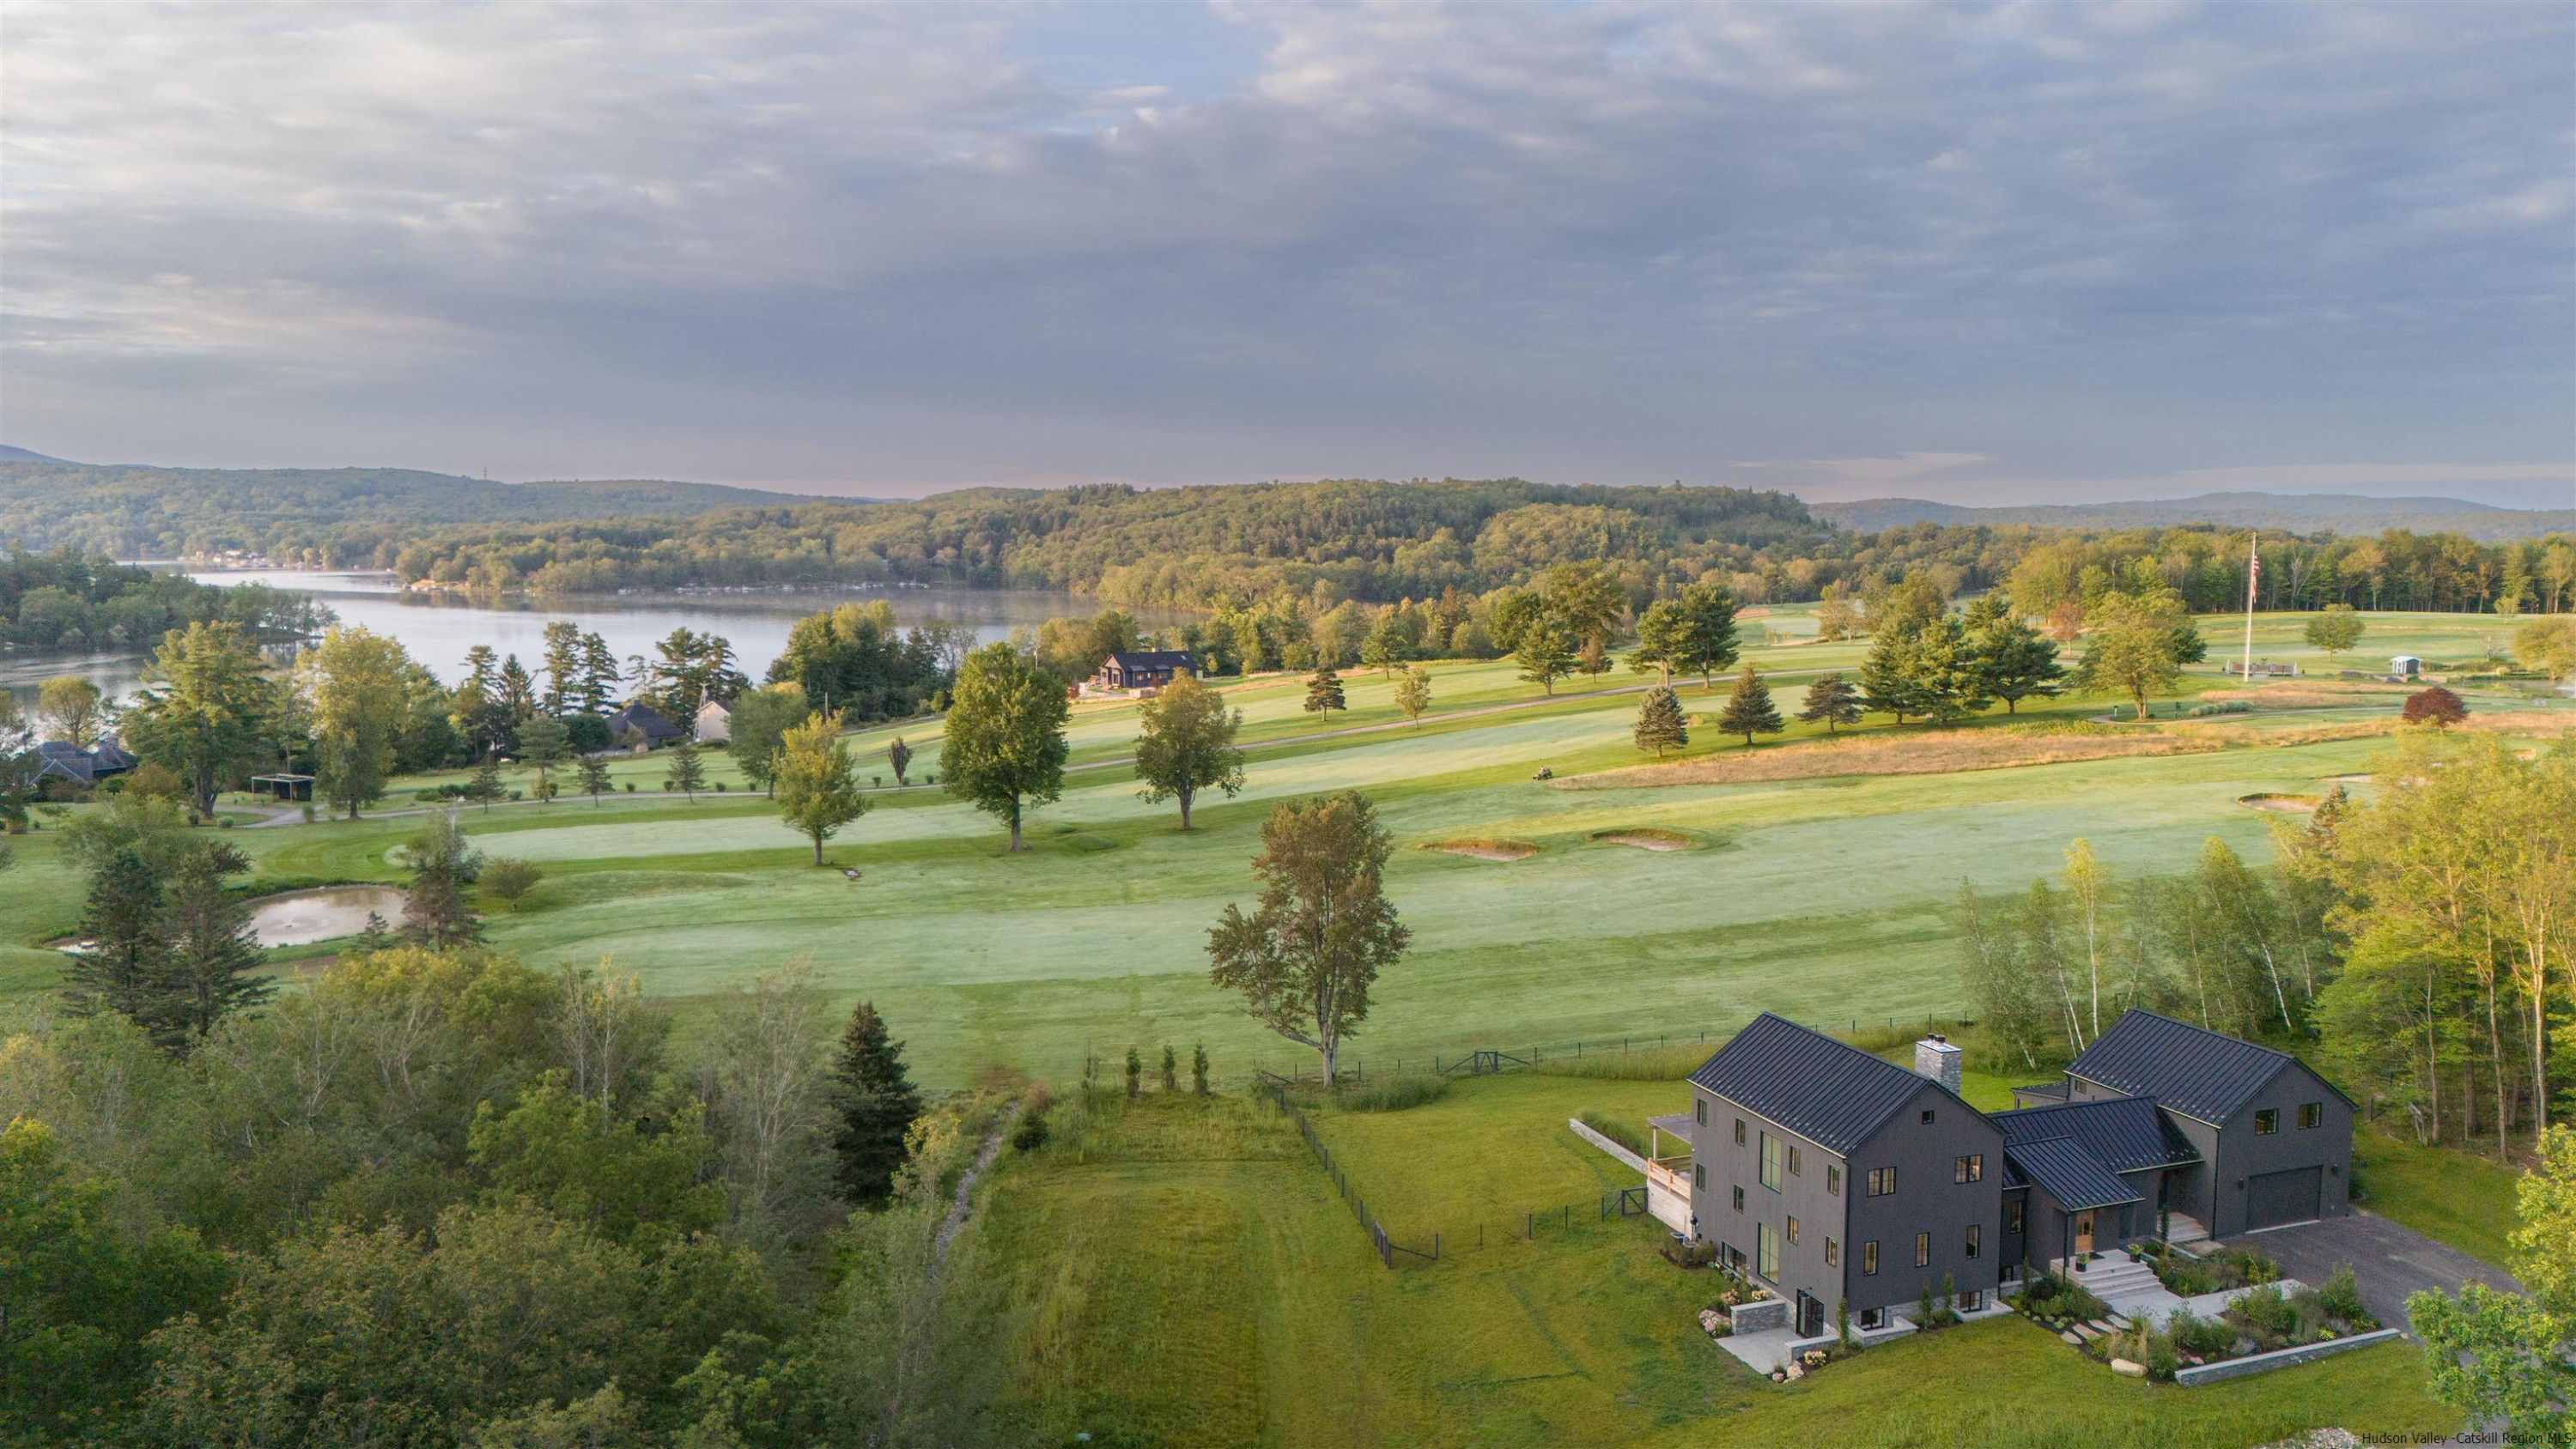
{"x": 1617, "y": 1131}
{"x": 2266, "y": 1312}
{"x": 1389, "y": 1094}
{"x": 2054, "y": 1298}
{"x": 2340, "y": 1297}
{"x": 2203, "y": 1337}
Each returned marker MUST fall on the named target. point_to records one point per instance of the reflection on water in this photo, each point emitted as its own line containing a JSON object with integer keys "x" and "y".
{"x": 438, "y": 629}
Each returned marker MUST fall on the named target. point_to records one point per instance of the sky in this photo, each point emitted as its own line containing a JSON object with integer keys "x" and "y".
{"x": 1986, "y": 254}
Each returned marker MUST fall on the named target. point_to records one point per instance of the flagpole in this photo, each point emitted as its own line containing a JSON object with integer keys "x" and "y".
{"x": 2253, "y": 572}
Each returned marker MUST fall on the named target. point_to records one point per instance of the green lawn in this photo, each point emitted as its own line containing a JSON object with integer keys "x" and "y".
{"x": 1188, "y": 1276}
{"x": 2464, "y": 1200}
{"x": 1824, "y": 899}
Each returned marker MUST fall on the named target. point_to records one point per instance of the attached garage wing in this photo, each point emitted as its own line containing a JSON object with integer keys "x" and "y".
{"x": 2274, "y": 1198}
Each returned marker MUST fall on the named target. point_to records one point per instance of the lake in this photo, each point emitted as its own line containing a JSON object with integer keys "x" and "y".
{"x": 438, "y": 629}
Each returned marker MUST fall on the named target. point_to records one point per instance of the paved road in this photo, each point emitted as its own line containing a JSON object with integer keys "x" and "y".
{"x": 2389, "y": 1261}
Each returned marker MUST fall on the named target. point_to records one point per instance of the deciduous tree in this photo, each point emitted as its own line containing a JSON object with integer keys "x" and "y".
{"x": 355, "y": 682}
{"x": 1545, "y": 652}
{"x": 1005, "y": 735}
{"x": 205, "y": 709}
{"x": 899, "y": 759}
{"x": 72, "y": 709}
{"x": 818, "y": 783}
{"x": 509, "y": 879}
{"x": 2335, "y": 629}
{"x": 545, "y": 744}
{"x": 2132, "y": 647}
{"x": 1413, "y": 693}
{"x": 1306, "y": 957}
{"x": 2434, "y": 706}
{"x": 1187, "y": 745}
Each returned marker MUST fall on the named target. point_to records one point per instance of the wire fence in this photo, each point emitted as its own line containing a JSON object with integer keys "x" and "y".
{"x": 1636, "y": 1057}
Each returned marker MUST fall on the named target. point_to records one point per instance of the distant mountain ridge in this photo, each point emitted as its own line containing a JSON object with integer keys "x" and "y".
{"x": 2344, "y": 513}
{"x": 134, "y": 511}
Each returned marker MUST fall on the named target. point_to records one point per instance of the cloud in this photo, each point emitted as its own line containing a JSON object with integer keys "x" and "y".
{"x": 1874, "y": 470}
{"x": 920, "y": 245}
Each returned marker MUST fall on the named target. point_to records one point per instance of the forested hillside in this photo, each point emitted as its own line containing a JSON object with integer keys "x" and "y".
{"x": 2296, "y": 513}
{"x": 137, "y": 512}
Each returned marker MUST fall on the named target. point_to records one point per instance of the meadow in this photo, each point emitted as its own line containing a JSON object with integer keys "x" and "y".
{"x": 1822, "y": 896}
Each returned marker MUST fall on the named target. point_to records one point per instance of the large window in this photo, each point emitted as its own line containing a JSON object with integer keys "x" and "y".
{"x": 1766, "y": 1252}
{"x": 1972, "y": 1239}
{"x": 1922, "y": 1250}
{"x": 1770, "y": 1162}
{"x": 2312, "y": 1114}
{"x": 2267, "y": 1121}
{"x": 1869, "y": 1256}
{"x": 1833, "y": 1179}
{"x": 1882, "y": 1181}
{"x": 1971, "y": 1168}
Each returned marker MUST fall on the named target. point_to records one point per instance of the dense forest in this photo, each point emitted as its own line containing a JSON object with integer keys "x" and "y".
{"x": 290, "y": 513}
{"x": 73, "y": 602}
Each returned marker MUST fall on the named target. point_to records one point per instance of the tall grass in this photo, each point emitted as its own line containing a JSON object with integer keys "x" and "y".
{"x": 1617, "y": 1130}
{"x": 1644, "y": 1064}
{"x": 1389, "y": 1094}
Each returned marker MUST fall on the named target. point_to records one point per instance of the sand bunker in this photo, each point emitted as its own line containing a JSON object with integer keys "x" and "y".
{"x": 2285, "y": 804}
{"x": 1485, "y": 849}
{"x": 1644, "y": 839}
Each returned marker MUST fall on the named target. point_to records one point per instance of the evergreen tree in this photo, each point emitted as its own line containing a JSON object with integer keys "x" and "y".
{"x": 688, "y": 772}
{"x": 1198, "y": 1069}
{"x": 485, "y": 787}
{"x": 1545, "y": 653}
{"x": 1171, "y": 1069}
{"x": 546, "y": 744}
{"x": 212, "y": 951}
{"x": 598, "y": 675}
{"x": 898, "y": 758}
{"x": 1887, "y": 675}
{"x": 1707, "y": 637}
{"x": 438, "y": 907}
{"x": 1662, "y": 636}
{"x": 1385, "y": 647}
{"x": 1135, "y": 1075}
{"x": 594, "y": 777}
{"x": 876, "y": 1103}
{"x": 1831, "y": 701}
{"x": 376, "y": 937}
{"x": 122, "y": 971}
{"x": 1660, "y": 725}
{"x": 1749, "y": 710}
{"x": 563, "y": 668}
{"x": 1324, "y": 692}
{"x": 1941, "y": 670}
{"x": 2013, "y": 661}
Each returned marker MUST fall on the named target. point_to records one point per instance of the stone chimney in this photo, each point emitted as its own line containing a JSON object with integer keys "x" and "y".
{"x": 1936, "y": 1058}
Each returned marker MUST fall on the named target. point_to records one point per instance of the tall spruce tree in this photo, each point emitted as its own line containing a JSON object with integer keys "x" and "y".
{"x": 1545, "y": 652}
{"x": 485, "y": 787}
{"x": 1831, "y": 701}
{"x": 1324, "y": 693}
{"x": 1660, "y": 725}
{"x": 1749, "y": 710}
{"x": 594, "y": 777}
{"x": 121, "y": 970}
{"x": 875, "y": 1102}
{"x": 212, "y": 951}
{"x": 1887, "y": 675}
{"x": 2011, "y": 660}
{"x": 438, "y": 907}
{"x": 688, "y": 771}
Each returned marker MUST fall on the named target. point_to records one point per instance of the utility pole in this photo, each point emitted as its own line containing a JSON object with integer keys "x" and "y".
{"x": 2253, "y": 573}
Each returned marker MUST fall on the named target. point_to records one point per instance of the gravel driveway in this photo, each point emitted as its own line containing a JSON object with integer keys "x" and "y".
{"x": 2389, "y": 1261}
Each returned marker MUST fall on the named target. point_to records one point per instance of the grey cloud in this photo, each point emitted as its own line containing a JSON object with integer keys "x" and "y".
{"x": 891, "y": 246}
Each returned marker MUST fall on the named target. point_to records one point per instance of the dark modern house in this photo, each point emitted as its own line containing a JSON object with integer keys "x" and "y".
{"x": 643, "y": 725}
{"x": 1147, "y": 669}
{"x": 2270, "y": 1141}
{"x": 1834, "y": 1176}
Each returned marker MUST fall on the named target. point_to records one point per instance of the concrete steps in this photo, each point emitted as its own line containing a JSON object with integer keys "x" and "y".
{"x": 2116, "y": 1275}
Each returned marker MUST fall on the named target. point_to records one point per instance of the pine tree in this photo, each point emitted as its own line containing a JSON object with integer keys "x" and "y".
{"x": 899, "y": 756}
{"x": 438, "y": 906}
{"x": 2012, "y": 660}
{"x": 1831, "y": 701}
{"x": 1887, "y": 675}
{"x": 546, "y": 744}
{"x": 876, "y": 1103}
{"x": 485, "y": 787}
{"x": 1941, "y": 672}
{"x": 1660, "y": 725}
{"x": 122, "y": 971}
{"x": 598, "y": 674}
{"x": 376, "y": 937}
{"x": 213, "y": 952}
{"x": 562, "y": 667}
{"x": 1198, "y": 1069}
{"x": 1135, "y": 1074}
{"x": 688, "y": 772}
{"x": 594, "y": 777}
{"x": 1171, "y": 1069}
{"x": 1545, "y": 653}
{"x": 1324, "y": 693}
{"x": 1749, "y": 710}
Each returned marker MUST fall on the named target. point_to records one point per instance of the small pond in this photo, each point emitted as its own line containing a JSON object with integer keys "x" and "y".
{"x": 300, "y": 918}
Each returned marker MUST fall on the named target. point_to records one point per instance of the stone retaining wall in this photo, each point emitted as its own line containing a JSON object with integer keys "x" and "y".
{"x": 1755, "y": 1317}
{"x": 2255, "y": 1363}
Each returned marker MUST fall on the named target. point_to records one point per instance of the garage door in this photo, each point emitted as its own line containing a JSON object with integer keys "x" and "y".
{"x": 2282, "y": 1197}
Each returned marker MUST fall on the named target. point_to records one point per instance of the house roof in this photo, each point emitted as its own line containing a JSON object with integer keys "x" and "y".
{"x": 718, "y": 705}
{"x": 642, "y": 717}
{"x": 82, "y": 766}
{"x": 2065, "y": 1171}
{"x": 2125, "y": 1134}
{"x": 1830, "y": 1093}
{"x": 1152, "y": 659}
{"x": 2195, "y": 1072}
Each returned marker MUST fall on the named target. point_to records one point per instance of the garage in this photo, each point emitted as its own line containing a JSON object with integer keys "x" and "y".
{"x": 2274, "y": 1198}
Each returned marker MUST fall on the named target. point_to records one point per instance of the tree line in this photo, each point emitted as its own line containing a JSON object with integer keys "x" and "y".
{"x": 2414, "y": 937}
{"x": 68, "y": 601}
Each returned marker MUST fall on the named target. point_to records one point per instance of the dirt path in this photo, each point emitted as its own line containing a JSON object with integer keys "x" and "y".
{"x": 957, "y": 1205}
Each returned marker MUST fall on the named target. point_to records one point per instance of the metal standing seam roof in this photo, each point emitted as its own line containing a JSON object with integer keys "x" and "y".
{"x": 1833, "y": 1094}
{"x": 2126, "y": 1134}
{"x": 2195, "y": 1072}
{"x": 1153, "y": 659}
{"x": 2065, "y": 1171}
